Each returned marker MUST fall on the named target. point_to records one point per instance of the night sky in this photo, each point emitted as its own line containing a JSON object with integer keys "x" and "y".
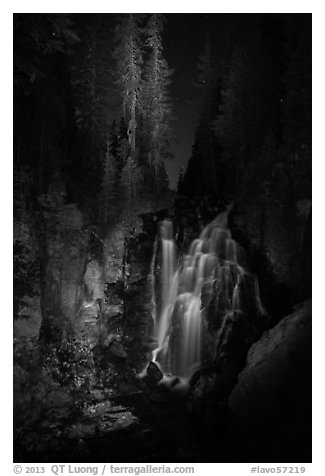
{"x": 183, "y": 40}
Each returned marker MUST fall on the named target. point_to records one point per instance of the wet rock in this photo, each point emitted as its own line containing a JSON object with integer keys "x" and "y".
{"x": 211, "y": 385}
{"x": 176, "y": 387}
{"x": 118, "y": 421}
{"x": 113, "y": 253}
{"x": 98, "y": 409}
{"x": 150, "y": 343}
{"x": 138, "y": 310}
{"x": 87, "y": 326}
{"x": 102, "y": 417}
{"x": 94, "y": 280}
{"x": 153, "y": 375}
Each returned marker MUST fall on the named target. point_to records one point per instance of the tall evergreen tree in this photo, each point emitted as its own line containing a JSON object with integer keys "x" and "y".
{"x": 128, "y": 56}
{"x": 206, "y": 67}
{"x": 155, "y": 99}
{"x": 162, "y": 179}
{"x": 129, "y": 184}
{"x": 115, "y": 145}
{"x": 180, "y": 181}
{"x": 92, "y": 84}
{"x": 124, "y": 145}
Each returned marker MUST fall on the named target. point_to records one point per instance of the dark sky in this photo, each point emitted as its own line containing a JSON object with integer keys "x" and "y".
{"x": 183, "y": 40}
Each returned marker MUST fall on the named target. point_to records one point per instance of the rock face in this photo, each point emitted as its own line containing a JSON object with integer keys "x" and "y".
{"x": 211, "y": 385}
{"x": 138, "y": 324}
{"x": 271, "y": 403}
{"x": 92, "y": 287}
{"x": 64, "y": 264}
{"x": 27, "y": 304}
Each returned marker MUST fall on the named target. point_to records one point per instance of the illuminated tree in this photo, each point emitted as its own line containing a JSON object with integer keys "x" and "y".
{"x": 128, "y": 56}
{"x": 155, "y": 99}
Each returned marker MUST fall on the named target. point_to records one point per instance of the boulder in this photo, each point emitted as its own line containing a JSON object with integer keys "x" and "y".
{"x": 271, "y": 403}
{"x": 153, "y": 375}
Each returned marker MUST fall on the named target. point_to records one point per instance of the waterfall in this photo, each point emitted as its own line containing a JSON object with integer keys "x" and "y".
{"x": 214, "y": 260}
{"x": 169, "y": 281}
{"x": 152, "y": 282}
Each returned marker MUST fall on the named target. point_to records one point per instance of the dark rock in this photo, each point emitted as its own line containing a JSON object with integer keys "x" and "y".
{"x": 207, "y": 397}
{"x": 153, "y": 375}
{"x": 137, "y": 295}
{"x": 154, "y": 372}
{"x": 271, "y": 403}
{"x": 175, "y": 387}
{"x": 211, "y": 385}
{"x": 116, "y": 348}
{"x": 150, "y": 343}
{"x": 159, "y": 396}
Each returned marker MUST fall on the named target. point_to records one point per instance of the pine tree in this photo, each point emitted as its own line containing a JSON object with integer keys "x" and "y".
{"x": 155, "y": 100}
{"x": 128, "y": 56}
{"x": 239, "y": 125}
{"x": 206, "y": 67}
{"x": 124, "y": 145}
{"x": 92, "y": 84}
{"x": 248, "y": 109}
{"x": 162, "y": 178}
{"x": 130, "y": 184}
{"x": 162, "y": 184}
{"x": 180, "y": 181}
{"x": 115, "y": 146}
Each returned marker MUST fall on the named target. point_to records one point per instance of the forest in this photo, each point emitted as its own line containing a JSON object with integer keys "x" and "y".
{"x": 162, "y": 303}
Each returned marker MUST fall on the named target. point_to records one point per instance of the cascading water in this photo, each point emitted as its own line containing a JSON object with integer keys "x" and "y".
{"x": 214, "y": 260}
{"x": 169, "y": 282}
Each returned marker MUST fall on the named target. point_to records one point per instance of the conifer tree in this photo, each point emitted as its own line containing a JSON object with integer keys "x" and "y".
{"x": 92, "y": 85}
{"x": 206, "y": 67}
{"x": 115, "y": 145}
{"x": 162, "y": 179}
{"x": 155, "y": 100}
{"x": 130, "y": 184}
{"x": 124, "y": 145}
{"x": 180, "y": 181}
{"x": 128, "y": 56}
